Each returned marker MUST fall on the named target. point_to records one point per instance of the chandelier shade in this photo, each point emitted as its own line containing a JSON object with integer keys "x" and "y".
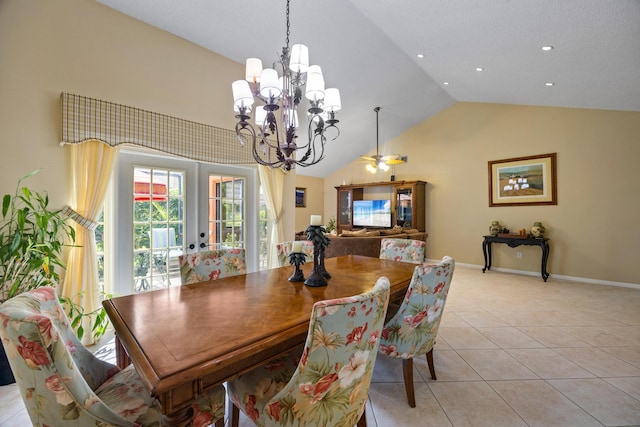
{"x": 272, "y": 132}
{"x": 299, "y": 62}
{"x": 253, "y": 69}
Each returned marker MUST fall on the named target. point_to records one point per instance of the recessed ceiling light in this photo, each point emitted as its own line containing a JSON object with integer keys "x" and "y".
{"x": 421, "y": 55}
{"x": 546, "y": 48}
{"x": 479, "y": 69}
{"x": 445, "y": 83}
{"x": 549, "y": 84}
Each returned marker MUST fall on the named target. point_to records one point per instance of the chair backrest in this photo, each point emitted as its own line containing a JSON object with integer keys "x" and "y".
{"x": 55, "y": 373}
{"x": 405, "y": 250}
{"x": 337, "y": 361}
{"x": 412, "y": 331}
{"x": 284, "y": 249}
{"x": 212, "y": 265}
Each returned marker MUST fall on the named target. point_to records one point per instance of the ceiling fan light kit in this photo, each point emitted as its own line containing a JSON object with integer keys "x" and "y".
{"x": 379, "y": 162}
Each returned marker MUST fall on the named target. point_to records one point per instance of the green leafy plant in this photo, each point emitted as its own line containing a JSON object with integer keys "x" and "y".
{"x": 77, "y": 313}
{"x": 32, "y": 240}
{"x": 331, "y": 224}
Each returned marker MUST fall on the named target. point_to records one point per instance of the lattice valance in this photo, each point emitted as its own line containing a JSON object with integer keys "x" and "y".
{"x": 86, "y": 118}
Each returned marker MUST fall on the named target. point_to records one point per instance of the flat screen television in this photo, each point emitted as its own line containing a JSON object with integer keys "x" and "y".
{"x": 372, "y": 213}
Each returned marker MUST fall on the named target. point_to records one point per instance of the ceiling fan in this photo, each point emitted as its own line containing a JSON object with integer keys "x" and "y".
{"x": 382, "y": 162}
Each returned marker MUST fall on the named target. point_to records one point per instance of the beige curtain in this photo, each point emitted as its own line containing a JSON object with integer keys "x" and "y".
{"x": 272, "y": 181}
{"x": 92, "y": 163}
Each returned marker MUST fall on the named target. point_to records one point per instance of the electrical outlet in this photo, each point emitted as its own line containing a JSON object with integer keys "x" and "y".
{"x": 518, "y": 254}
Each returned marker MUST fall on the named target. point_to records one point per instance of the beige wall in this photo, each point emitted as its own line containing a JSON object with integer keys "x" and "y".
{"x": 315, "y": 201}
{"x": 594, "y": 229}
{"x": 83, "y": 47}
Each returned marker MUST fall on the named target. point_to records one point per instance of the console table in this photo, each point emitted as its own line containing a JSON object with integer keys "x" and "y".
{"x": 514, "y": 242}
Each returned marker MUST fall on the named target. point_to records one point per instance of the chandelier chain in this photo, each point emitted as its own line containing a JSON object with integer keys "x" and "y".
{"x": 288, "y": 26}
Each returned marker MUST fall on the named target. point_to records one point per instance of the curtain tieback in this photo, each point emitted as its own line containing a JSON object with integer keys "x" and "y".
{"x": 277, "y": 219}
{"x": 85, "y": 222}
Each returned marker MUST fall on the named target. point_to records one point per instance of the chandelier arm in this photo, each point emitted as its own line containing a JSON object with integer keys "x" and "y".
{"x": 265, "y": 136}
{"x": 319, "y": 132}
{"x": 259, "y": 157}
{"x": 243, "y": 128}
{"x": 312, "y": 152}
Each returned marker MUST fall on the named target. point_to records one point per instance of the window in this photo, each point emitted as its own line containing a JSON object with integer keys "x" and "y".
{"x": 263, "y": 232}
{"x": 100, "y": 250}
{"x": 164, "y": 207}
{"x": 226, "y": 214}
{"x": 158, "y": 227}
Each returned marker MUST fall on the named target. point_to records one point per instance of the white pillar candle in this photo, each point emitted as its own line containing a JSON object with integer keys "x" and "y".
{"x": 316, "y": 220}
{"x": 296, "y": 247}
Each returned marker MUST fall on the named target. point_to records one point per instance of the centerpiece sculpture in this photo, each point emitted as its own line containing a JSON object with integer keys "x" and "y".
{"x": 297, "y": 258}
{"x": 316, "y": 234}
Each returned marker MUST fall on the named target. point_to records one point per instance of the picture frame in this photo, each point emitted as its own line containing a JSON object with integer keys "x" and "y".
{"x": 301, "y": 197}
{"x": 523, "y": 181}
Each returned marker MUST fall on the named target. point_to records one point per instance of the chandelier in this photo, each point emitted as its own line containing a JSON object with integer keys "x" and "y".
{"x": 273, "y": 133}
{"x": 379, "y": 162}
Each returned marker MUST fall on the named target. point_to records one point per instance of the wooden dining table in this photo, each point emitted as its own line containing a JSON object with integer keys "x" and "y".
{"x": 188, "y": 339}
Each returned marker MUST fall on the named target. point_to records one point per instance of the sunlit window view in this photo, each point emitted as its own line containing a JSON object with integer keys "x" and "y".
{"x": 159, "y": 224}
{"x": 99, "y": 233}
{"x": 158, "y": 227}
{"x": 226, "y": 215}
{"x": 263, "y": 230}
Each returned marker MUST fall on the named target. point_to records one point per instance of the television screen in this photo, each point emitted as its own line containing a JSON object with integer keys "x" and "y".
{"x": 372, "y": 213}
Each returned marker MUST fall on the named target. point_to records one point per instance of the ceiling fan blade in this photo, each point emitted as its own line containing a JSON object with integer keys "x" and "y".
{"x": 390, "y": 157}
{"x": 394, "y": 161}
{"x": 369, "y": 158}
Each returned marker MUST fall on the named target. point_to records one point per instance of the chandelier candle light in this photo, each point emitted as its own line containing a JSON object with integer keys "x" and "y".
{"x": 273, "y": 136}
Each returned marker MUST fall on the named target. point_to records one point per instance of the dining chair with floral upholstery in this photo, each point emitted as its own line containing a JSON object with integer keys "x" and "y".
{"x": 405, "y": 250}
{"x": 412, "y": 331}
{"x": 64, "y": 384}
{"x": 284, "y": 249}
{"x": 212, "y": 265}
{"x": 327, "y": 385}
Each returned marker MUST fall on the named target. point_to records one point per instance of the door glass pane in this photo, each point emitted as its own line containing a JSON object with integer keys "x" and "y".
{"x": 226, "y": 215}
{"x": 262, "y": 232}
{"x": 403, "y": 207}
{"x": 158, "y": 227}
{"x": 100, "y": 249}
{"x": 345, "y": 208}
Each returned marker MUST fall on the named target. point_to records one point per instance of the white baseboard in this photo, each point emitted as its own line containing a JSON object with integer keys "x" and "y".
{"x": 551, "y": 276}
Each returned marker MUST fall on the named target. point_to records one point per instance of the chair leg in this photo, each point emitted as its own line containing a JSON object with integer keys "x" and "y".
{"x": 432, "y": 370}
{"x": 362, "y": 422}
{"x": 407, "y": 370}
{"x": 220, "y": 422}
{"x": 235, "y": 415}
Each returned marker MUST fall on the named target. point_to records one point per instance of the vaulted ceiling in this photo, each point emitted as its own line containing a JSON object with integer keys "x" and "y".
{"x": 369, "y": 50}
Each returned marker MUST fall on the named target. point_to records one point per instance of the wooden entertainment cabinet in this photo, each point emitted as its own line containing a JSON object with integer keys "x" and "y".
{"x": 407, "y": 198}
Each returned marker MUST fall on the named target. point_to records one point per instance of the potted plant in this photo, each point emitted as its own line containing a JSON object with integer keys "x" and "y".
{"x": 32, "y": 239}
{"x": 331, "y": 226}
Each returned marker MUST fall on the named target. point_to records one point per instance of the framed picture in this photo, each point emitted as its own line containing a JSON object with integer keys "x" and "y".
{"x": 523, "y": 181}
{"x": 301, "y": 197}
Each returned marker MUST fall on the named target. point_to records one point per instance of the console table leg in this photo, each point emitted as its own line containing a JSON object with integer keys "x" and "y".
{"x": 545, "y": 257}
{"x": 486, "y": 251}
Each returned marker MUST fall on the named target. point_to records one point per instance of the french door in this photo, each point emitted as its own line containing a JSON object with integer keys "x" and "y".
{"x": 166, "y": 207}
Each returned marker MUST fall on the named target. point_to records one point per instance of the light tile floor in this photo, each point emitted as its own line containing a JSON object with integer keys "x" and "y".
{"x": 512, "y": 351}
